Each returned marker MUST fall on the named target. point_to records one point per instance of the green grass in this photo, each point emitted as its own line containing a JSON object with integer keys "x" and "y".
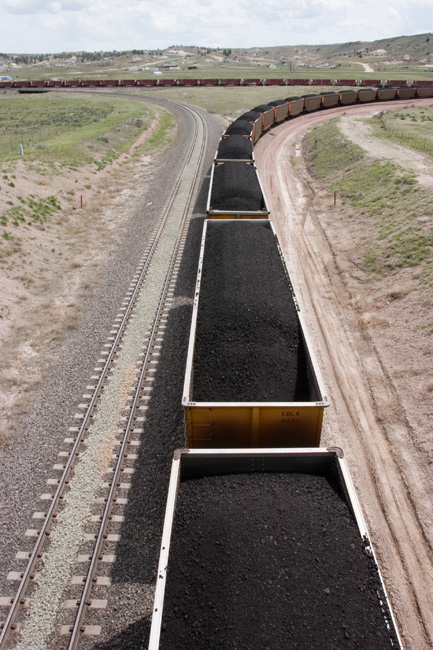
{"x": 161, "y": 137}
{"x": 385, "y": 195}
{"x": 67, "y": 129}
{"x": 329, "y": 151}
{"x": 30, "y": 211}
{"x": 392, "y": 197}
{"x": 412, "y": 127}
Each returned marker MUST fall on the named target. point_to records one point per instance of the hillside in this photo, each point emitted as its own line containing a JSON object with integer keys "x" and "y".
{"x": 408, "y": 57}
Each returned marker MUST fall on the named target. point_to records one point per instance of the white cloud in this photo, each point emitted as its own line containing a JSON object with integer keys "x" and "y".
{"x": 62, "y": 25}
{"x": 32, "y": 7}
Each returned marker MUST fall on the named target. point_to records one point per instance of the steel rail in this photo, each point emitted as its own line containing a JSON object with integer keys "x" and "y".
{"x": 84, "y": 602}
{"x": 9, "y": 624}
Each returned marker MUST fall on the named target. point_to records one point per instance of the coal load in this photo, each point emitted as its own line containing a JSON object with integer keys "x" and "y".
{"x": 250, "y": 116}
{"x": 263, "y": 108}
{"x": 236, "y": 188}
{"x": 278, "y": 102}
{"x": 269, "y": 560}
{"x": 248, "y": 345}
{"x": 241, "y": 127}
{"x": 235, "y": 147}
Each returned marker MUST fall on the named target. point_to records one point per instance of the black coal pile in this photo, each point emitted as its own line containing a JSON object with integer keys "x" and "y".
{"x": 275, "y": 561}
{"x": 263, "y": 108}
{"x": 248, "y": 345}
{"x": 278, "y": 102}
{"x": 250, "y": 116}
{"x": 242, "y": 127}
{"x": 235, "y": 147}
{"x": 236, "y": 187}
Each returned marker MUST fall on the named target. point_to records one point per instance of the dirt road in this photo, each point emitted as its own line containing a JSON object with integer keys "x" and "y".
{"x": 367, "y": 417}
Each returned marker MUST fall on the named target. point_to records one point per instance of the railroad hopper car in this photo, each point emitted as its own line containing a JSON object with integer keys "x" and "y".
{"x": 330, "y": 99}
{"x": 234, "y": 147}
{"x": 267, "y": 549}
{"x": 367, "y": 95}
{"x": 254, "y": 118}
{"x": 348, "y": 97}
{"x": 251, "y": 378}
{"x": 312, "y": 102}
{"x": 296, "y": 105}
{"x": 424, "y": 91}
{"x": 281, "y": 110}
{"x": 267, "y": 112}
{"x": 241, "y": 126}
{"x": 406, "y": 93}
{"x": 207, "y": 82}
{"x": 386, "y": 94}
{"x": 235, "y": 192}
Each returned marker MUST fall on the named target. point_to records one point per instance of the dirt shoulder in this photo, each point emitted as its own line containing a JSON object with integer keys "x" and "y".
{"x": 376, "y": 362}
{"x": 46, "y": 268}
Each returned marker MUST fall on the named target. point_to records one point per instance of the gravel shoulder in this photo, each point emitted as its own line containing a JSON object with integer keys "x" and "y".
{"x": 375, "y": 368}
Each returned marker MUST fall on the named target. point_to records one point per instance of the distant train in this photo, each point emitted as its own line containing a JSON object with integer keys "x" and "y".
{"x": 422, "y": 88}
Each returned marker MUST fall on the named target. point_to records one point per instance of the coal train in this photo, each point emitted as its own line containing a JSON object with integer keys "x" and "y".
{"x": 264, "y": 542}
{"x": 402, "y": 86}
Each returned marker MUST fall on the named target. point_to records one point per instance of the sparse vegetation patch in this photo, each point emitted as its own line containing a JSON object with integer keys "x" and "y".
{"x": 32, "y": 210}
{"x": 68, "y": 130}
{"x": 384, "y": 194}
{"x": 411, "y": 127}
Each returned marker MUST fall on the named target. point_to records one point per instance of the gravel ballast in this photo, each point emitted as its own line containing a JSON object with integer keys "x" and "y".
{"x": 269, "y": 560}
{"x": 248, "y": 344}
{"x": 236, "y": 187}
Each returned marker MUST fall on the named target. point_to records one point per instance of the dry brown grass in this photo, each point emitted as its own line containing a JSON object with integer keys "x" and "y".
{"x": 401, "y": 289}
{"x": 362, "y": 303}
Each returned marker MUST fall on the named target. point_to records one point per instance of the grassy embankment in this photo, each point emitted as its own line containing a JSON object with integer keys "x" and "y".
{"x": 411, "y": 127}
{"x": 397, "y": 211}
{"x": 61, "y": 135}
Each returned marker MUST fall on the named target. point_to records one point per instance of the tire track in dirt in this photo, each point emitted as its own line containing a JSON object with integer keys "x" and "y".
{"x": 364, "y": 416}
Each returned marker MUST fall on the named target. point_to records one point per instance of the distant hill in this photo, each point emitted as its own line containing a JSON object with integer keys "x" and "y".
{"x": 408, "y": 57}
{"x": 416, "y": 47}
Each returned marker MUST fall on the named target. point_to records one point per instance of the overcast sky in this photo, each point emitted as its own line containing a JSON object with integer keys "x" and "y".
{"x": 40, "y": 26}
